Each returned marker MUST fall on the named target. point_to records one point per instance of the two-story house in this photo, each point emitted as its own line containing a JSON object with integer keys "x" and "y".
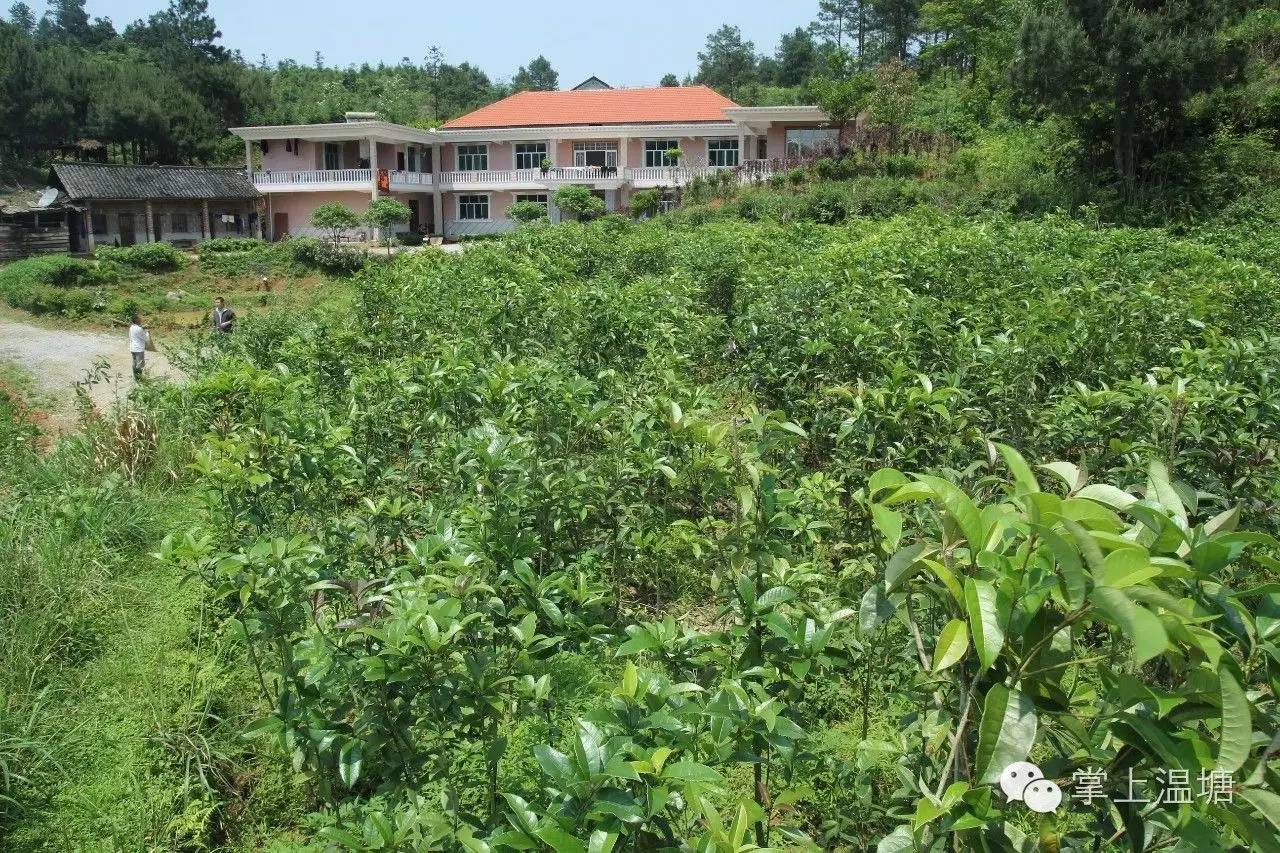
{"x": 460, "y": 179}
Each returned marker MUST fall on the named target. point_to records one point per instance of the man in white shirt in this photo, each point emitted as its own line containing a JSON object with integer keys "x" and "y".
{"x": 138, "y": 337}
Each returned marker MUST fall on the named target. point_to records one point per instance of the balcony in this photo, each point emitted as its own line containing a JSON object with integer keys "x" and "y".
{"x": 336, "y": 180}
{"x": 533, "y": 179}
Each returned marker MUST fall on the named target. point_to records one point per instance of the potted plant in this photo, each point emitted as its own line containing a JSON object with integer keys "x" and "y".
{"x": 674, "y": 156}
{"x": 546, "y": 165}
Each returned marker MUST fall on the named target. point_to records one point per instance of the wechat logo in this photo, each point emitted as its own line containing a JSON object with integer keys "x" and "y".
{"x": 1024, "y": 781}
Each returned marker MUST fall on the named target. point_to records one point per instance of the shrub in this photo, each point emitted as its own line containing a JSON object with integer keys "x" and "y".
{"x": 386, "y": 213}
{"x": 317, "y": 254}
{"x": 32, "y": 284}
{"x": 409, "y": 238}
{"x": 149, "y": 257}
{"x": 527, "y": 211}
{"x": 578, "y": 201}
{"x": 645, "y": 203}
{"x": 232, "y": 244}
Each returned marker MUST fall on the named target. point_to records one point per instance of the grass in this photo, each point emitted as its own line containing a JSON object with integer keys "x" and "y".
{"x": 119, "y": 705}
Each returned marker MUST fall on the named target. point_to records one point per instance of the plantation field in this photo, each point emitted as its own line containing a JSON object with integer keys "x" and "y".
{"x": 700, "y": 533}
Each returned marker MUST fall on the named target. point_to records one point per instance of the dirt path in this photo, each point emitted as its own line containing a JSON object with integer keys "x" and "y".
{"x": 57, "y": 358}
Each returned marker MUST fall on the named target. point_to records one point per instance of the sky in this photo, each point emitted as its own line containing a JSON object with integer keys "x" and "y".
{"x": 624, "y": 44}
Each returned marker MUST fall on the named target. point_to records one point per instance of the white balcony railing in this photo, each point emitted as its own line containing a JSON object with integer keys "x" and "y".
{"x": 411, "y": 179}
{"x": 314, "y": 176}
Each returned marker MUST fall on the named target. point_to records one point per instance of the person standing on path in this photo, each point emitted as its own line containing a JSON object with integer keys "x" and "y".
{"x": 224, "y": 319}
{"x": 139, "y": 337}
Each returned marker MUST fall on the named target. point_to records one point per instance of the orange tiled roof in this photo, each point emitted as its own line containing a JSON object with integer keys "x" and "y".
{"x": 671, "y": 104}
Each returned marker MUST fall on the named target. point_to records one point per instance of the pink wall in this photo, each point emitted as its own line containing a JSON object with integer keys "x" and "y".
{"x": 305, "y": 156}
{"x": 299, "y": 206}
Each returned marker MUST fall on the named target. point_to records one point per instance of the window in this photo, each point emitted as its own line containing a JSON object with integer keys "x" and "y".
{"x": 762, "y": 148}
{"x": 529, "y": 154}
{"x": 288, "y": 145}
{"x": 811, "y": 141}
{"x": 332, "y": 156}
{"x": 99, "y": 223}
{"x": 535, "y": 198}
{"x": 399, "y": 161}
{"x": 474, "y": 207}
{"x": 413, "y": 159}
{"x": 178, "y": 222}
{"x": 595, "y": 154}
{"x": 722, "y": 152}
{"x": 655, "y": 152}
{"x": 473, "y": 158}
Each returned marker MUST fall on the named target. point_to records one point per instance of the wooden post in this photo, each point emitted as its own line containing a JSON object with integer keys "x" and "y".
{"x": 205, "y": 233}
{"x": 151, "y": 235}
{"x": 88, "y": 226}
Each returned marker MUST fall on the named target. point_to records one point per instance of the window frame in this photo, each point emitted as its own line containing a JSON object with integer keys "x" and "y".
{"x": 814, "y": 145}
{"x": 516, "y": 154}
{"x": 723, "y": 145}
{"x": 336, "y": 149}
{"x": 610, "y": 150}
{"x": 488, "y": 206}
{"x": 473, "y": 152}
{"x": 664, "y": 162}
{"x": 182, "y": 216}
{"x": 543, "y": 199}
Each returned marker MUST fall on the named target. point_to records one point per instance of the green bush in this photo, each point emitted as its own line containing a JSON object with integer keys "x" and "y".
{"x": 321, "y": 255}
{"x": 232, "y": 244}
{"x": 148, "y": 257}
{"x": 527, "y": 211}
{"x": 409, "y": 238}
{"x": 35, "y": 284}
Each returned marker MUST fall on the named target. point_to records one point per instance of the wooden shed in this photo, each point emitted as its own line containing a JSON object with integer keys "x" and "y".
{"x": 121, "y": 205}
{"x": 33, "y": 222}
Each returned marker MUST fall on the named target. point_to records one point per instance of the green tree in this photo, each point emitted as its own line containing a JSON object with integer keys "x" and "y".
{"x": 727, "y": 62}
{"x": 797, "y": 58}
{"x": 21, "y": 16}
{"x": 842, "y": 91}
{"x": 1123, "y": 74}
{"x": 897, "y": 23}
{"x": 335, "y": 218}
{"x": 841, "y": 21}
{"x": 386, "y": 213}
{"x": 538, "y": 76}
{"x": 669, "y": 80}
{"x": 578, "y": 201}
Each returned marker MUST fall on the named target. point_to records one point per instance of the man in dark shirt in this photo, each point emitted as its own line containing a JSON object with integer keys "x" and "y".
{"x": 224, "y": 319}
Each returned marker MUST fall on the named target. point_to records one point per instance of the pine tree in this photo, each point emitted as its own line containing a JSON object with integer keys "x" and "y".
{"x": 538, "y": 76}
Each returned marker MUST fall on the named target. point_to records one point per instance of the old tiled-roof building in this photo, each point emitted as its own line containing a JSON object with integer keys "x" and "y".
{"x": 123, "y": 205}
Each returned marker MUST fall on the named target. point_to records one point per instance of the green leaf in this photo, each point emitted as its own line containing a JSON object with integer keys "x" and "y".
{"x": 691, "y": 771}
{"x": 1161, "y": 489}
{"x": 985, "y": 624}
{"x": 1266, "y": 802}
{"x": 1237, "y": 724}
{"x": 898, "y": 841}
{"x": 1108, "y": 495}
{"x": 889, "y": 523}
{"x": 961, "y": 509}
{"x": 560, "y": 841}
{"x": 350, "y": 758}
{"x": 1023, "y": 476}
{"x": 1006, "y": 733}
{"x": 554, "y": 763}
{"x": 875, "y": 609}
{"x": 1136, "y": 623}
{"x": 953, "y": 642}
{"x": 1126, "y": 567}
{"x": 902, "y": 563}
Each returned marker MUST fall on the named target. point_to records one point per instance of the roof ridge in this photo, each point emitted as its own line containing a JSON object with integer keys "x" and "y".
{"x": 141, "y": 165}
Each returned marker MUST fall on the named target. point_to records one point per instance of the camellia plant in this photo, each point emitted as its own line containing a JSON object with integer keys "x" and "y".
{"x": 1112, "y": 638}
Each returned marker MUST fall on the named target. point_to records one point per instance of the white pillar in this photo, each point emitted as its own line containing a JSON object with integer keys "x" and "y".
{"x": 248, "y": 159}
{"x": 151, "y": 234}
{"x": 624, "y": 153}
{"x": 742, "y": 146}
{"x": 373, "y": 166}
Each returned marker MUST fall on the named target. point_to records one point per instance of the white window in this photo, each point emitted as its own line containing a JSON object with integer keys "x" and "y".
{"x": 473, "y": 158}
{"x": 595, "y": 154}
{"x": 655, "y": 152}
{"x": 535, "y": 198}
{"x": 722, "y": 152}
{"x": 811, "y": 141}
{"x": 529, "y": 155}
{"x": 473, "y": 207}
